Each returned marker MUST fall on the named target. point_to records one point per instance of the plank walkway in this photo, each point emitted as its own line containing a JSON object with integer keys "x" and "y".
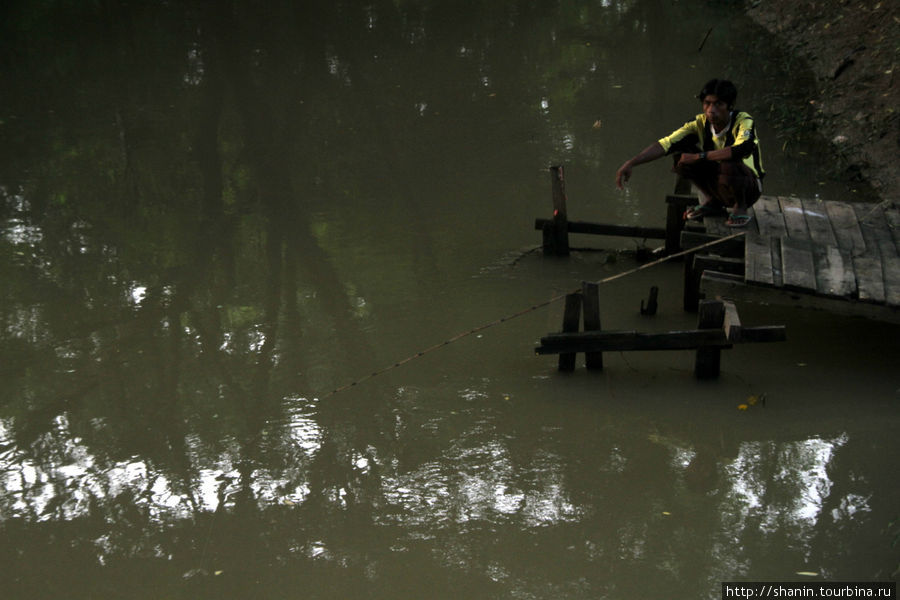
{"x": 839, "y": 255}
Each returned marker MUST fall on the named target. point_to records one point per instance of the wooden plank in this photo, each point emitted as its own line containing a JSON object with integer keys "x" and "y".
{"x": 631, "y": 341}
{"x": 891, "y": 266}
{"x": 892, "y": 217}
{"x": 757, "y": 260}
{"x": 818, "y": 222}
{"x": 869, "y": 278}
{"x": 794, "y": 220}
{"x": 769, "y": 218}
{"x": 777, "y": 269}
{"x": 798, "y": 267}
{"x": 716, "y": 226}
{"x": 834, "y": 271}
{"x": 626, "y": 341}
{"x": 727, "y": 286}
{"x": 718, "y": 263}
{"x": 876, "y": 229}
{"x": 846, "y": 227}
{"x": 733, "y": 247}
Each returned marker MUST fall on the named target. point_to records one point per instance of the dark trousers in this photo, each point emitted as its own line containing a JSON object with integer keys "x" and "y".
{"x": 727, "y": 183}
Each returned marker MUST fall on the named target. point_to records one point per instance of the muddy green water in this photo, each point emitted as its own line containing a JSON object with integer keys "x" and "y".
{"x": 212, "y": 217}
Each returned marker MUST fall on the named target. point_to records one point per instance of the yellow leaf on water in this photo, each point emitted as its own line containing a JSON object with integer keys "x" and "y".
{"x": 743, "y": 407}
{"x": 752, "y": 400}
{"x": 807, "y": 573}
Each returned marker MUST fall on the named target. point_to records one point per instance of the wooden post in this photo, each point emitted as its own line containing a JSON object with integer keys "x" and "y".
{"x": 711, "y": 316}
{"x": 571, "y": 317}
{"x": 591, "y": 298}
{"x": 652, "y": 303}
{"x": 691, "y": 292}
{"x": 676, "y": 205}
{"x": 556, "y": 233}
{"x": 694, "y": 267}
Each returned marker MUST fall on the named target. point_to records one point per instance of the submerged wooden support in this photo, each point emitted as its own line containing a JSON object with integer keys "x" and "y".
{"x": 711, "y": 315}
{"x": 631, "y": 341}
{"x": 571, "y": 317}
{"x": 719, "y": 327}
{"x": 676, "y": 204}
{"x": 591, "y": 293}
{"x": 652, "y": 302}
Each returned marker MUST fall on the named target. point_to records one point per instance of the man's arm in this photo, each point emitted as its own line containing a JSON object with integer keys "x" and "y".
{"x": 650, "y": 153}
{"x": 723, "y": 154}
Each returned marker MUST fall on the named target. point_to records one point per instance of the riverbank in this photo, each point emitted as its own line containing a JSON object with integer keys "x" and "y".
{"x": 853, "y": 50}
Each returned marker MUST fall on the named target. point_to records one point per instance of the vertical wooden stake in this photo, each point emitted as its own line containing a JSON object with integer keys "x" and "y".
{"x": 691, "y": 284}
{"x": 711, "y": 316}
{"x": 571, "y": 317}
{"x": 556, "y": 240}
{"x": 674, "y": 225}
{"x": 652, "y": 302}
{"x": 591, "y": 293}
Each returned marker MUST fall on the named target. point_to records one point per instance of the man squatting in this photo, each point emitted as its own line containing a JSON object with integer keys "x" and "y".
{"x": 718, "y": 152}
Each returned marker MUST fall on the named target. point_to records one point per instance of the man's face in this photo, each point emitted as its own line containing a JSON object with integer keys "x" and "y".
{"x": 716, "y": 110}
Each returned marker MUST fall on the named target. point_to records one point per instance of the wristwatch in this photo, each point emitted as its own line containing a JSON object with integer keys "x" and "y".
{"x": 703, "y": 155}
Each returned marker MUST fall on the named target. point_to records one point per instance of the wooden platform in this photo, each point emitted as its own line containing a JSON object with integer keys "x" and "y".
{"x": 838, "y": 256}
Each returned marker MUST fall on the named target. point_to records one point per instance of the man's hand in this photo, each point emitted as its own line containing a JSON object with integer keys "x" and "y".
{"x": 623, "y": 175}
{"x": 651, "y": 152}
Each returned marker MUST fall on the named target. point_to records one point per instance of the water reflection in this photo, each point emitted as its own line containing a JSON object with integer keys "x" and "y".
{"x": 243, "y": 208}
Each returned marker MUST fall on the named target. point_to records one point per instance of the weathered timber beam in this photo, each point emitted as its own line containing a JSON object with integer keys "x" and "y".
{"x": 710, "y": 315}
{"x": 656, "y": 233}
{"x": 733, "y": 248}
{"x": 626, "y": 341}
{"x": 730, "y": 286}
{"x": 609, "y": 341}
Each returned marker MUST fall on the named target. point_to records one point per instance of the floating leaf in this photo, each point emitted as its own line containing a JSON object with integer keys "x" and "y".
{"x": 807, "y": 573}
{"x": 743, "y": 407}
{"x": 598, "y": 124}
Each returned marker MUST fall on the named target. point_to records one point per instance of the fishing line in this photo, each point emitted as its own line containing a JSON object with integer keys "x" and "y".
{"x": 522, "y": 312}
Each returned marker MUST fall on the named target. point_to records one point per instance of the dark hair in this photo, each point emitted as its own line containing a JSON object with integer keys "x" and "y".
{"x": 721, "y": 88}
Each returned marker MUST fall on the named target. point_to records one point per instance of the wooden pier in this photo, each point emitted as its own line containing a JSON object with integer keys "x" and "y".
{"x": 837, "y": 256}
{"x": 832, "y": 255}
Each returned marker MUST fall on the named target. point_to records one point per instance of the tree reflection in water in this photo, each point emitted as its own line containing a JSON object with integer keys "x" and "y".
{"x": 189, "y": 196}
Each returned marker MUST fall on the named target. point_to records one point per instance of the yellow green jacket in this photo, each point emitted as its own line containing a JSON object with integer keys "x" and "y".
{"x": 697, "y": 135}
